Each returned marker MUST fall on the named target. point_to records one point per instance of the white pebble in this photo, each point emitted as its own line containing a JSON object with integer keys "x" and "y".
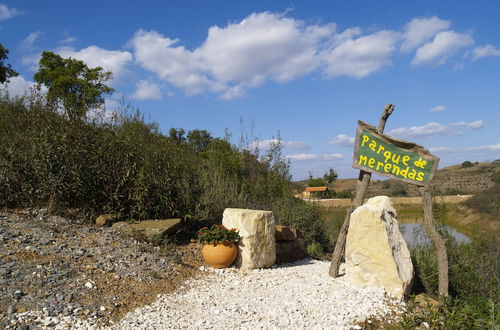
{"x": 298, "y": 295}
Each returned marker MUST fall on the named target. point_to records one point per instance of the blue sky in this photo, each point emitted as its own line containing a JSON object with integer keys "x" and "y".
{"x": 303, "y": 70}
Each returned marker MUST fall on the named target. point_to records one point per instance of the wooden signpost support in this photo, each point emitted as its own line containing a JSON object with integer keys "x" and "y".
{"x": 362, "y": 187}
{"x": 402, "y": 160}
{"x": 437, "y": 241}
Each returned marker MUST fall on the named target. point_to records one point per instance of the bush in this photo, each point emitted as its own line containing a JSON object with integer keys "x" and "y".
{"x": 345, "y": 194}
{"x": 486, "y": 201}
{"x": 496, "y": 177}
{"x": 467, "y": 164}
{"x": 126, "y": 166}
{"x": 474, "y": 273}
{"x": 398, "y": 189}
{"x": 296, "y": 213}
{"x": 474, "y": 283}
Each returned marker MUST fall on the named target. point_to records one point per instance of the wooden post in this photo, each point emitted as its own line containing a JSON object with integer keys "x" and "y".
{"x": 437, "y": 240}
{"x": 362, "y": 187}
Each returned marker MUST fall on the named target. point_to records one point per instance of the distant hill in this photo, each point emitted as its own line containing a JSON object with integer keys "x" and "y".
{"x": 463, "y": 179}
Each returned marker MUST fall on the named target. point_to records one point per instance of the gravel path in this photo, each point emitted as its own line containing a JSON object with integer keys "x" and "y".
{"x": 296, "y": 296}
{"x": 58, "y": 274}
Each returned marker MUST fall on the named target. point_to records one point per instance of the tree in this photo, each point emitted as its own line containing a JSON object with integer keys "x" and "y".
{"x": 330, "y": 176}
{"x": 199, "y": 139}
{"x": 72, "y": 84}
{"x": 316, "y": 182}
{"x": 6, "y": 71}
{"x": 467, "y": 164}
{"x": 177, "y": 134}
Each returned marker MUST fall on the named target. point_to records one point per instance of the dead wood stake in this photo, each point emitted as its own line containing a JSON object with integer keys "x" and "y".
{"x": 437, "y": 240}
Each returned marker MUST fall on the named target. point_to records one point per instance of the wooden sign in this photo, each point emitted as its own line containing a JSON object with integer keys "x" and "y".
{"x": 399, "y": 159}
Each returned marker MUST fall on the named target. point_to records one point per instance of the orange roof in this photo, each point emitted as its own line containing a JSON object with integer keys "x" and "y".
{"x": 315, "y": 189}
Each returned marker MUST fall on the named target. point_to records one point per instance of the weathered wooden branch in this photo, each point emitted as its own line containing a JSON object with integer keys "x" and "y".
{"x": 362, "y": 187}
{"x": 437, "y": 240}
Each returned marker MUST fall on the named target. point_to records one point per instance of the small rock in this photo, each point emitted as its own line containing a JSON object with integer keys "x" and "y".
{"x": 89, "y": 285}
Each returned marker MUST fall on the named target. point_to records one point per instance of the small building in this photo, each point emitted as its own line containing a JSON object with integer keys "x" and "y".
{"x": 314, "y": 192}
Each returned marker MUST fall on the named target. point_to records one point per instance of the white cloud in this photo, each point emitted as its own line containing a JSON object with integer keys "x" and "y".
{"x": 357, "y": 58}
{"x": 297, "y": 145}
{"x": 421, "y": 30}
{"x": 322, "y": 157}
{"x": 110, "y": 60}
{"x": 444, "y": 45}
{"x": 112, "y": 104}
{"x": 332, "y": 156}
{"x": 68, "y": 40}
{"x": 6, "y": 12}
{"x": 431, "y": 129}
{"x": 266, "y": 144}
{"x": 484, "y": 51}
{"x": 475, "y": 125}
{"x": 491, "y": 147}
{"x": 263, "y": 46}
{"x": 434, "y": 129}
{"x": 31, "y": 61}
{"x": 343, "y": 140}
{"x": 272, "y": 47}
{"x": 29, "y": 41}
{"x": 147, "y": 90}
{"x": 437, "y": 108}
{"x": 302, "y": 157}
{"x": 17, "y": 86}
{"x": 441, "y": 150}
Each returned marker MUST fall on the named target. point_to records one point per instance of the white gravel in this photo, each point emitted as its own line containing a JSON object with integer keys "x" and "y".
{"x": 295, "y": 296}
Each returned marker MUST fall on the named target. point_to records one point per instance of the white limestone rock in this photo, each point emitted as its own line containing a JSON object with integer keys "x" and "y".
{"x": 257, "y": 247}
{"x": 376, "y": 253}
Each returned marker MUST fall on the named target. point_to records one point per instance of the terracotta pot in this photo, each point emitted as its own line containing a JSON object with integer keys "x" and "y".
{"x": 220, "y": 255}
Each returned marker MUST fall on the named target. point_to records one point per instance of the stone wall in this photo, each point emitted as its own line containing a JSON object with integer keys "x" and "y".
{"x": 290, "y": 245}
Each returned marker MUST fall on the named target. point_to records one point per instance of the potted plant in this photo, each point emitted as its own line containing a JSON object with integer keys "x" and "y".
{"x": 219, "y": 249}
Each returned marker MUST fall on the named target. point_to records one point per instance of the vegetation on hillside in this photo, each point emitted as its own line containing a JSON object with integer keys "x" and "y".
{"x": 487, "y": 201}
{"x": 61, "y": 150}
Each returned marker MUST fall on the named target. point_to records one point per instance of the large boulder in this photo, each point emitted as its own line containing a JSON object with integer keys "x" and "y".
{"x": 376, "y": 253}
{"x": 257, "y": 247}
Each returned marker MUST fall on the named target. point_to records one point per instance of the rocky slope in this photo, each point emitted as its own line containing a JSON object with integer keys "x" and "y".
{"x": 55, "y": 271}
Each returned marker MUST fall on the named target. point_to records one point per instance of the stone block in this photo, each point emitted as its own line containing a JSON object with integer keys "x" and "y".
{"x": 106, "y": 219}
{"x": 151, "y": 230}
{"x": 290, "y": 251}
{"x": 284, "y": 233}
{"x": 376, "y": 253}
{"x": 257, "y": 248}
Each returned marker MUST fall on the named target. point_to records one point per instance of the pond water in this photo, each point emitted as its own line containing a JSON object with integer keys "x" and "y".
{"x": 415, "y": 235}
{"x": 410, "y": 224}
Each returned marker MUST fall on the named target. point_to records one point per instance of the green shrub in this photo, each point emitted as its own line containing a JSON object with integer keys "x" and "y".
{"x": 345, "y": 194}
{"x": 474, "y": 283}
{"x": 124, "y": 165}
{"x": 296, "y": 213}
{"x": 486, "y": 201}
{"x": 474, "y": 273}
{"x": 467, "y": 164}
{"x": 496, "y": 177}
{"x": 315, "y": 250}
{"x": 398, "y": 189}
